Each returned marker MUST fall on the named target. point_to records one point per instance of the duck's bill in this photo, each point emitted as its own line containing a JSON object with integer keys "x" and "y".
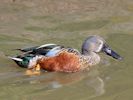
{"x": 110, "y": 52}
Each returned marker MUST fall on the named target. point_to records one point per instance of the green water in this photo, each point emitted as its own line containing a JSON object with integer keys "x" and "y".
{"x": 26, "y": 23}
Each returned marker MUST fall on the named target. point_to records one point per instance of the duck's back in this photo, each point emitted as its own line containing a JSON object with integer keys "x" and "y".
{"x": 64, "y": 62}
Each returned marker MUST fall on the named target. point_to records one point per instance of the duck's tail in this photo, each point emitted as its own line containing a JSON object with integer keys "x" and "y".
{"x": 15, "y": 58}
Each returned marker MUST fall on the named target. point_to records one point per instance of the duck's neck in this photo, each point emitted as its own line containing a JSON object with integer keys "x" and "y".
{"x": 93, "y": 58}
{"x": 85, "y": 49}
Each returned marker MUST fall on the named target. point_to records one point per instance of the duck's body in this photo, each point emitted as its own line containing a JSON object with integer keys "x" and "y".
{"x": 63, "y": 62}
{"x": 58, "y": 58}
{"x": 67, "y": 62}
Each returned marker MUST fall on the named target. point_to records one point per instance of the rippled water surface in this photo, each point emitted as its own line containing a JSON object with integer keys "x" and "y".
{"x": 25, "y": 23}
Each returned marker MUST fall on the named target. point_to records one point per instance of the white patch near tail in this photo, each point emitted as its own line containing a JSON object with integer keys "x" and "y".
{"x": 100, "y": 46}
{"x": 34, "y": 60}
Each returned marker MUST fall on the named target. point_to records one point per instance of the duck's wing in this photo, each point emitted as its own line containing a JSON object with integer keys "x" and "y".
{"x": 58, "y": 49}
{"x": 38, "y": 50}
{"x": 44, "y": 49}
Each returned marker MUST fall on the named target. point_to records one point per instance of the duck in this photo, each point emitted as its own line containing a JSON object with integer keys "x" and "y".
{"x": 58, "y": 58}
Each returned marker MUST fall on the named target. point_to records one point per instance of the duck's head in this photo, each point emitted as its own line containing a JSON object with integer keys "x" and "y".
{"x": 97, "y": 44}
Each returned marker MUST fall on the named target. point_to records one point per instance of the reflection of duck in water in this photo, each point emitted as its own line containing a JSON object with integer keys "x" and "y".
{"x": 52, "y": 81}
{"x": 52, "y": 57}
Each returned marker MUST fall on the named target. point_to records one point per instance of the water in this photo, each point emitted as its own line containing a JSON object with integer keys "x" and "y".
{"x": 26, "y": 23}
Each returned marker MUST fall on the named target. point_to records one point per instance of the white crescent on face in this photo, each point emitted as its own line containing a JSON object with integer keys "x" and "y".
{"x": 100, "y": 46}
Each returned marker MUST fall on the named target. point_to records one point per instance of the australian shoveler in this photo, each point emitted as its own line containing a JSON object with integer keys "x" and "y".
{"x": 53, "y": 57}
